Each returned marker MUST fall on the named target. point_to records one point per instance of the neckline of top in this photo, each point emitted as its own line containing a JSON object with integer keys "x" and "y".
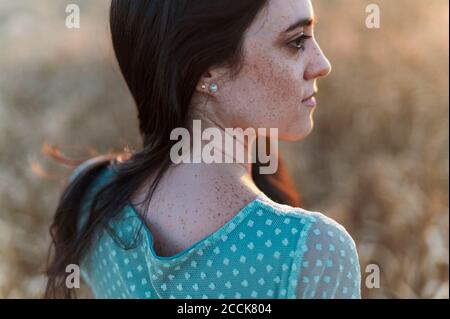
{"x": 220, "y": 233}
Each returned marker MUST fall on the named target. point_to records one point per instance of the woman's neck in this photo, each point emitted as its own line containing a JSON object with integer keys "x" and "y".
{"x": 213, "y": 142}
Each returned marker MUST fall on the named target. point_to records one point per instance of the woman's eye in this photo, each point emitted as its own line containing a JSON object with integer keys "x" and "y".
{"x": 299, "y": 42}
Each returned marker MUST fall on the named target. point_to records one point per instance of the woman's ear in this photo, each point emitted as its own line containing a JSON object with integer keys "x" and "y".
{"x": 210, "y": 81}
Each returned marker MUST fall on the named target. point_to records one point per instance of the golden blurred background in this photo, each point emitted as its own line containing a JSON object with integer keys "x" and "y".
{"x": 377, "y": 160}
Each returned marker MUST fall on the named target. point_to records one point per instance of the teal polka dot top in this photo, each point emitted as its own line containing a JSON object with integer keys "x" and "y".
{"x": 267, "y": 250}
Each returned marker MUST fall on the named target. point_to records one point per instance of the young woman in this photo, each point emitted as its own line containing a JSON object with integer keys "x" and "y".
{"x": 141, "y": 226}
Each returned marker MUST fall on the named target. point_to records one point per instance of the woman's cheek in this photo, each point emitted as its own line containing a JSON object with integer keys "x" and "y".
{"x": 241, "y": 104}
{"x": 283, "y": 94}
{"x": 266, "y": 94}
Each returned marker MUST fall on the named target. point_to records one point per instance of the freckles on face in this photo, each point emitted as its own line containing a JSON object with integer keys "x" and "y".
{"x": 270, "y": 87}
{"x": 268, "y": 91}
{"x": 273, "y": 78}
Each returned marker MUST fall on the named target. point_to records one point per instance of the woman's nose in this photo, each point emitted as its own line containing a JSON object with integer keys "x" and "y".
{"x": 319, "y": 66}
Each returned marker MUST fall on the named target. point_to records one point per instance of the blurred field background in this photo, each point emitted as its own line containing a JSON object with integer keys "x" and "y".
{"x": 377, "y": 160}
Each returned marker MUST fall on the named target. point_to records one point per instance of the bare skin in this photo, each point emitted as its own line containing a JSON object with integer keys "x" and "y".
{"x": 278, "y": 74}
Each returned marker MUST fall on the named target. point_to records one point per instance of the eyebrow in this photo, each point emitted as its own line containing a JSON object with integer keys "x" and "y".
{"x": 304, "y": 22}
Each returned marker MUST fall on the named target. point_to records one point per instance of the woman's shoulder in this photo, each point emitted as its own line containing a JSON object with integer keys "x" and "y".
{"x": 321, "y": 233}
{"x": 327, "y": 262}
{"x": 317, "y": 221}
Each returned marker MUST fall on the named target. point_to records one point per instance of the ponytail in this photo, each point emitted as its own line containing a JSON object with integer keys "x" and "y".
{"x": 67, "y": 245}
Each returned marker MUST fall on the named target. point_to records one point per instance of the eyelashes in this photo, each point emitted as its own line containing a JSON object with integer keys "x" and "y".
{"x": 299, "y": 42}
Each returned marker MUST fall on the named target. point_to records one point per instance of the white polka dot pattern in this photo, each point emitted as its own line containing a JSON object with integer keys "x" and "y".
{"x": 330, "y": 266}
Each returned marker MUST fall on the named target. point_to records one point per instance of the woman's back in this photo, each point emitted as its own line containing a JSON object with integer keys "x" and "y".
{"x": 266, "y": 250}
{"x": 191, "y": 201}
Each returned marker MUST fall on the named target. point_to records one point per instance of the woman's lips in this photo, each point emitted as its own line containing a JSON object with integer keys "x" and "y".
{"x": 310, "y": 101}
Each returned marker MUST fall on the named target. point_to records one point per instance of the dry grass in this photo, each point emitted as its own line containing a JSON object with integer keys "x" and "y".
{"x": 377, "y": 160}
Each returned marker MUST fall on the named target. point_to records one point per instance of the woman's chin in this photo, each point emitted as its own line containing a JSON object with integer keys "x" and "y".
{"x": 298, "y": 133}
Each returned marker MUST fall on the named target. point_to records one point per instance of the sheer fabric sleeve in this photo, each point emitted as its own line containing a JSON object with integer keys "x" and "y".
{"x": 330, "y": 265}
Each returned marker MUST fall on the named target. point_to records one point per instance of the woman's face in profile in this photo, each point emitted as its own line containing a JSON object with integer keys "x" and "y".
{"x": 281, "y": 64}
